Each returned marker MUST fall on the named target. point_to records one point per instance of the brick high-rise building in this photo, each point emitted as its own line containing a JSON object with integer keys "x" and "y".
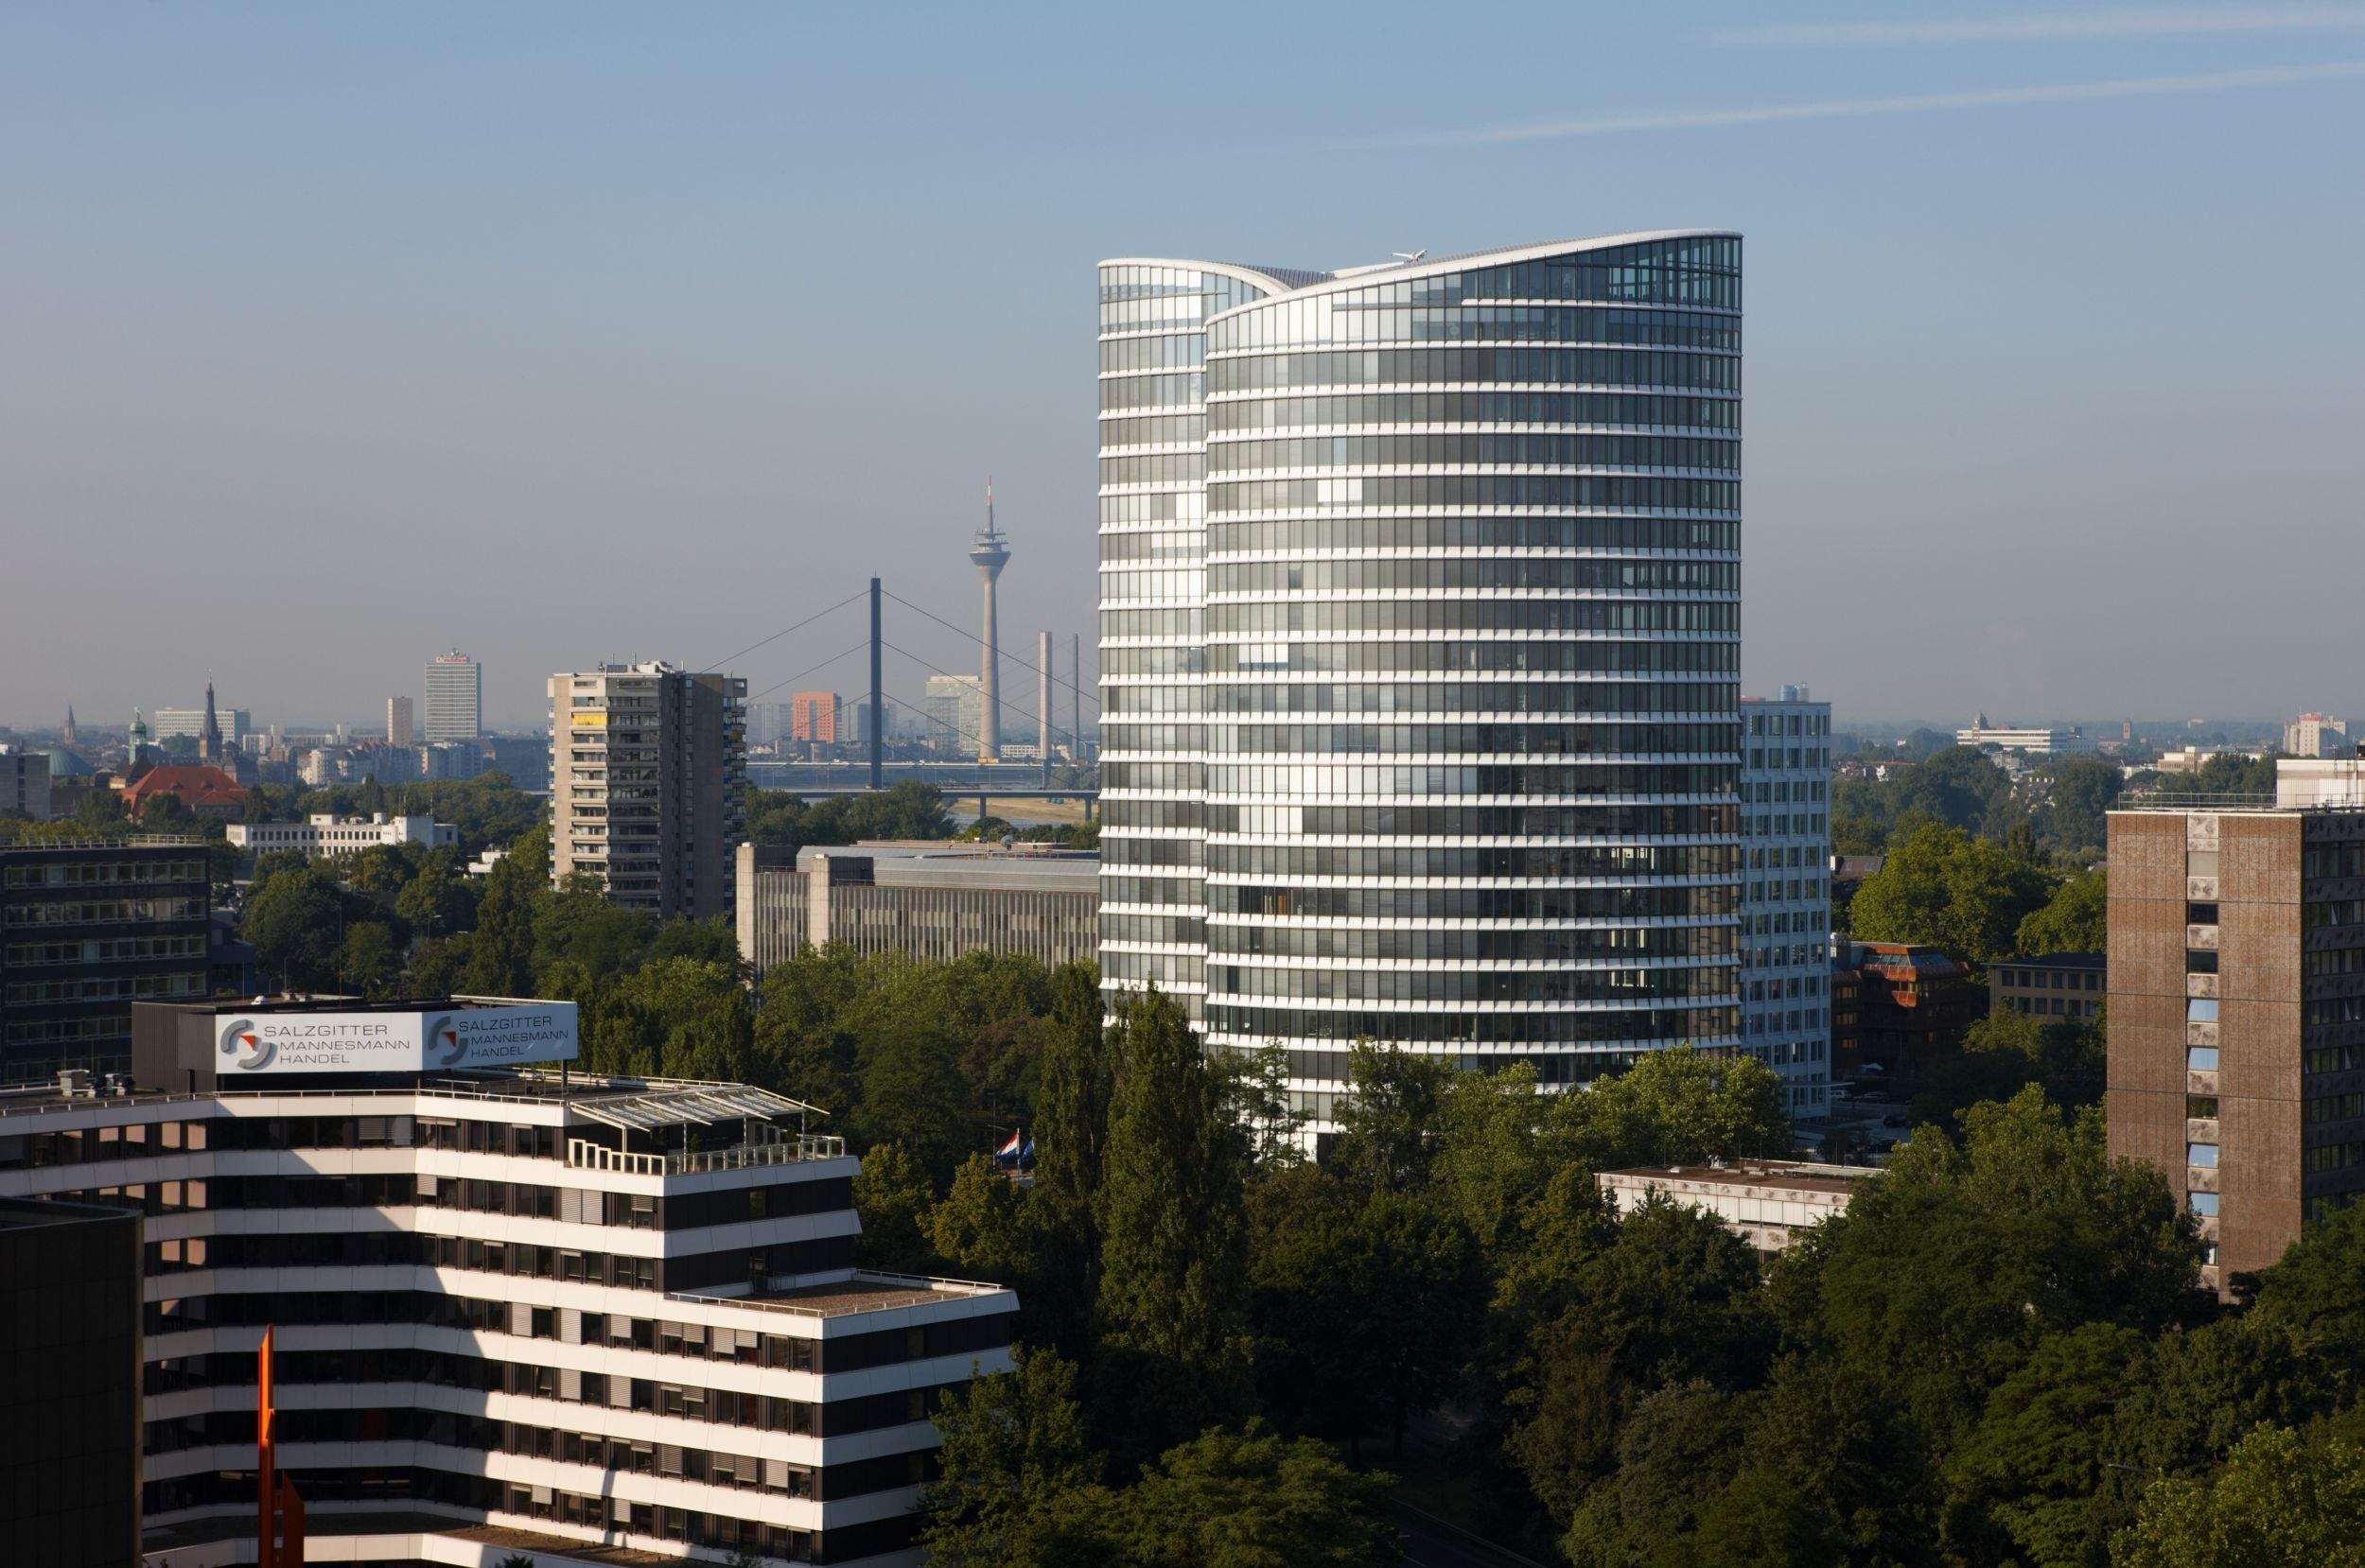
{"x": 812, "y": 716}
{"x": 2237, "y": 1015}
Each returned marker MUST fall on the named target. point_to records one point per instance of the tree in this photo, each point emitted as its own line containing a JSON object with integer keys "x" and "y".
{"x": 1943, "y": 887}
{"x": 2084, "y": 788}
{"x": 1256, "y": 1095}
{"x": 1173, "y": 1262}
{"x": 2284, "y": 1498}
{"x": 912, "y": 1095}
{"x": 435, "y": 903}
{"x": 295, "y": 919}
{"x": 501, "y": 957}
{"x": 2070, "y": 921}
{"x": 1500, "y": 1148}
{"x": 1254, "y": 1499}
{"x": 1946, "y": 1271}
{"x": 1672, "y": 1296}
{"x": 893, "y": 1196}
{"x": 1388, "y": 1118}
{"x": 1677, "y": 1107}
{"x": 673, "y": 1018}
{"x": 1075, "y": 1085}
{"x": 1014, "y": 1467}
{"x": 981, "y": 1228}
{"x": 2317, "y": 1291}
{"x": 1364, "y": 1310}
{"x": 2036, "y": 1476}
{"x": 367, "y": 962}
{"x": 1957, "y": 786}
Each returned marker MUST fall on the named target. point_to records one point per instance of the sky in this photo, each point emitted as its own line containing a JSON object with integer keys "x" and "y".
{"x": 334, "y": 337}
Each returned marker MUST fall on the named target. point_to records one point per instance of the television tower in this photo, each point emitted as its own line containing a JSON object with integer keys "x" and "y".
{"x": 989, "y": 553}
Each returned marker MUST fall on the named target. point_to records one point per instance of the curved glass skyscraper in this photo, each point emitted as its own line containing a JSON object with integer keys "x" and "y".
{"x": 1420, "y": 650}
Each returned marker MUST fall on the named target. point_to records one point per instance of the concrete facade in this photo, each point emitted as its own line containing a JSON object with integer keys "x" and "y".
{"x": 1764, "y": 1202}
{"x": 935, "y": 902}
{"x": 648, "y": 785}
{"x": 2236, "y": 983}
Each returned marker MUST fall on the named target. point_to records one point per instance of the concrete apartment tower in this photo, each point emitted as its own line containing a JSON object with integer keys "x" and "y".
{"x": 648, "y": 784}
{"x": 2237, "y": 1052}
{"x": 988, "y": 553}
{"x": 399, "y": 728}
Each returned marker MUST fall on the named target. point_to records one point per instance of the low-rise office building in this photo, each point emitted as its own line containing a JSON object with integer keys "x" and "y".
{"x": 2050, "y": 986}
{"x": 2237, "y": 1016}
{"x": 1904, "y": 1005}
{"x": 1764, "y": 1202}
{"x": 603, "y": 1316}
{"x": 936, "y": 902}
{"x": 326, "y": 833}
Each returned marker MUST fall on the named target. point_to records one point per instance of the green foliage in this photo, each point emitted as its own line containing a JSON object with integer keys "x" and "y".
{"x": 2070, "y": 921}
{"x": 2283, "y": 1500}
{"x": 907, "y": 810}
{"x": 1254, "y": 1499}
{"x": 1388, "y": 1118}
{"x": 2229, "y": 774}
{"x": 295, "y": 918}
{"x": 2084, "y": 788}
{"x": 1171, "y": 1211}
{"x": 982, "y": 1226}
{"x": 2318, "y": 1292}
{"x": 1364, "y": 1307}
{"x": 1943, "y": 887}
{"x": 1677, "y": 1107}
{"x": 893, "y": 1197}
{"x": 912, "y": 1094}
{"x": 2007, "y": 1050}
{"x": 1014, "y": 1466}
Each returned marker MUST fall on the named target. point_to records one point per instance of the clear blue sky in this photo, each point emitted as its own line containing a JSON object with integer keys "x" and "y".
{"x": 334, "y": 335}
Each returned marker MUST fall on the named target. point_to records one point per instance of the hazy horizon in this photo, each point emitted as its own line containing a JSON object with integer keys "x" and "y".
{"x": 563, "y": 334}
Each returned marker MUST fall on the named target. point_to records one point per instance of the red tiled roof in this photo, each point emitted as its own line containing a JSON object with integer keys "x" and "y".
{"x": 199, "y": 785}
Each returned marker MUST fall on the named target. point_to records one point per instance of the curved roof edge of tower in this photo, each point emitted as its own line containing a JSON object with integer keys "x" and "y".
{"x": 1286, "y": 281}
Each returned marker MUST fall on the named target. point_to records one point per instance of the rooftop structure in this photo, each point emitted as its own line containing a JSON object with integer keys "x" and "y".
{"x": 1764, "y": 1202}
{"x": 200, "y": 786}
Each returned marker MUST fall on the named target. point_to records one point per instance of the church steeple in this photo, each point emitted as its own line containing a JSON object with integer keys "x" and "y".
{"x": 209, "y": 742}
{"x": 67, "y": 734}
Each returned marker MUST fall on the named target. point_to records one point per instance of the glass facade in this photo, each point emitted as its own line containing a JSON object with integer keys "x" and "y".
{"x": 1420, "y": 656}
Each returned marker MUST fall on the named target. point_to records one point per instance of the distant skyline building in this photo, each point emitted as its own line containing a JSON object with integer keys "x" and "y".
{"x": 955, "y": 708}
{"x": 649, "y": 779}
{"x": 814, "y": 717}
{"x": 1786, "y": 892}
{"x": 2033, "y": 740}
{"x": 233, "y": 724}
{"x": 399, "y": 728}
{"x": 1420, "y": 636}
{"x": 455, "y": 699}
{"x": 2312, "y": 734}
{"x": 989, "y": 552}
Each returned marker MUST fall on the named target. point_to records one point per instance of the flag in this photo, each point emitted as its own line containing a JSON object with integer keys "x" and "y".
{"x": 1009, "y": 1150}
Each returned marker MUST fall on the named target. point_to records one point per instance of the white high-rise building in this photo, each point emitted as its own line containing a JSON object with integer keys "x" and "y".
{"x": 2313, "y": 735}
{"x": 1786, "y": 893}
{"x": 619, "y": 1319}
{"x": 955, "y": 710}
{"x": 455, "y": 699}
{"x": 400, "y": 731}
{"x": 1420, "y": 610}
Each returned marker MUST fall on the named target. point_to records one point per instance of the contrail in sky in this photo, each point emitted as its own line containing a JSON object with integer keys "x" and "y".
{"x": 2082, "y": 91}
{"x": 2148, "y": 22}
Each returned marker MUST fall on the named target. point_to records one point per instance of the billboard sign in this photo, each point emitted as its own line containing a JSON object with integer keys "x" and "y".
{"x": 396, "y": 1040}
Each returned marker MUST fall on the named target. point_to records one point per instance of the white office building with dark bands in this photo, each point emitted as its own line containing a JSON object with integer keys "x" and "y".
{"x": 1420, "y": 634}
{"x": 513, "y": 1312}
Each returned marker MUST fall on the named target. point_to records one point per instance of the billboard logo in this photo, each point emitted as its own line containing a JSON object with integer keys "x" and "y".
{"x": 445, "y": 1047}
{"x": 243, "y": 1036}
